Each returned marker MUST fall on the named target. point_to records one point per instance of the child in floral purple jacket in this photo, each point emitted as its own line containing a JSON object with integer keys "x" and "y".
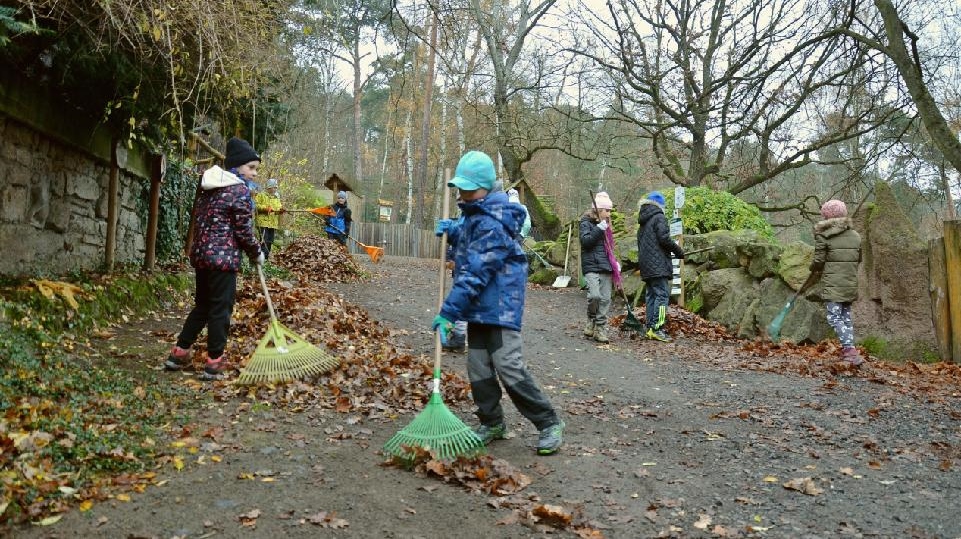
{"x": 224, "y": 229}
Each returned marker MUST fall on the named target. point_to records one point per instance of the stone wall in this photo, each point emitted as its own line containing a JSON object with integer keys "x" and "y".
{"x": 53, "y": 205}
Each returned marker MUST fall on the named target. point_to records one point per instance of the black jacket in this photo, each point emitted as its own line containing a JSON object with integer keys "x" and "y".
{"x": 654, "y": 243}
{"x": 593, "y": 256}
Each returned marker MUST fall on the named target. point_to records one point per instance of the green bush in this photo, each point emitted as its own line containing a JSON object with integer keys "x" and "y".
{"x": 706, "y": 210}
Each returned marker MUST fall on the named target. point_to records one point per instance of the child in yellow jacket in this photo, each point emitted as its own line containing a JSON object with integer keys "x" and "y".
{"x": 269, "y": 208}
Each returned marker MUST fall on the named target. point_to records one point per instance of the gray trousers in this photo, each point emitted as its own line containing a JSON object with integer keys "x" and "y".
{"x": 495, "y": 353}
{"x": 599, "y": 287}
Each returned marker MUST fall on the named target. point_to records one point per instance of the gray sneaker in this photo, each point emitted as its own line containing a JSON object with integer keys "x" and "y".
{"x": 589, "y": 329}
{"x": 550, "y": 439}
{"x": 600, "y": 334}
{"x": 488, "y": 433}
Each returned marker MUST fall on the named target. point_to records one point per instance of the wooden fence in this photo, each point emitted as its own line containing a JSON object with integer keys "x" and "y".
{"x": 396, "y": 239}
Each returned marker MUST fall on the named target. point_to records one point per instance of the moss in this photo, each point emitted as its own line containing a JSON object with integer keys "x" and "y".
{"x": 543, "y": 276}
{"x": 99, "y": 302}
{"x": 882, "y": 348}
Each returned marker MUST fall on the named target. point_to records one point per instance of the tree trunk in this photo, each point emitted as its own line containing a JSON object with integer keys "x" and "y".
{"x": 425, "y": 127}
{"x": 934, "y": 122}
{"x": 358, "y": 136}
{"x": 409, "y": 159}
{"x": 442, "y": 157}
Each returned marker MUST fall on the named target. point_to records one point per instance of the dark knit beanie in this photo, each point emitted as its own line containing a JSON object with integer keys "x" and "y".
{"x": 239, "y": 152}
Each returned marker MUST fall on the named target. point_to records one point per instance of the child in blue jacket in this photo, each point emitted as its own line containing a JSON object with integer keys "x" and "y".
{"x": 488, "y": 291}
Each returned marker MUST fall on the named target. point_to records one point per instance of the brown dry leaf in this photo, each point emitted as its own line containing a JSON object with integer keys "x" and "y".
{"x": 804, "y": 485}
{"x": 703, "y": 522}
{"x": 249, "y": 519}
{"x": 552, "y": 515}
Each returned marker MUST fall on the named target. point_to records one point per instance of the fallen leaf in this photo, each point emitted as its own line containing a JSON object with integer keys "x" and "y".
{"x": 804, "y": 485}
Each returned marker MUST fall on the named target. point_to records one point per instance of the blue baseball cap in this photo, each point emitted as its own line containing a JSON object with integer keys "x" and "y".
{"x": 475, "y": 170}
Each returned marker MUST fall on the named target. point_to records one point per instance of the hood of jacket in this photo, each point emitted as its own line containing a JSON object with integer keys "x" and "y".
{"x": 216, "y": 177}
{"x": 648, "y": 209}
{"x": 832, "y": 227}
{"x": 498, "y": 207}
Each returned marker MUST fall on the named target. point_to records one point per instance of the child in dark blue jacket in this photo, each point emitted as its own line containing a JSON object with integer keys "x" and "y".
{"x": 488, "y": 291}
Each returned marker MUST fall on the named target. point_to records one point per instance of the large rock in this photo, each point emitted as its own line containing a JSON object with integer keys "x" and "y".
{"x": 794, "y": 263}
{"x": 894, "y": 303}
{"x": 805, "y": 322}
{"x": 729, "y": 295}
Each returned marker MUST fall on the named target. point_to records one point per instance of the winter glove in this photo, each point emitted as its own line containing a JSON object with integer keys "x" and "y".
{"x": 443, "y": 225}
{"x": 679, "y": 254}
{"x": 444, "y": 326}
{"x": 260, "y": 259}
{"x": 602, "y": 225}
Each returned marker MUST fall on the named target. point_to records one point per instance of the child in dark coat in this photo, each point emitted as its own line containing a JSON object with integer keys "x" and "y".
{"x": 488, "y": 291}
{"x": 224, "y": 230}
{"x": 837, "y": 253}
{"x": 596, "y": 265}
{"x": 654, "y": 249}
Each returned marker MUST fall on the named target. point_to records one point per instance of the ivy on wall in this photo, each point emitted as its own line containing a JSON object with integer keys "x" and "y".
{"x": 176, "y": 202}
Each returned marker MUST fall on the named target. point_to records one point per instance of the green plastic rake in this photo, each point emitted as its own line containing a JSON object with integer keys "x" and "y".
{"x": 774, "y": 328}
{"x": 282, "y": 355}
{"x": 436, "y": 429}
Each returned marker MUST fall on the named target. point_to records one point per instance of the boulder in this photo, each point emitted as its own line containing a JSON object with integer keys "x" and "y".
{"x": 794, "y": 263}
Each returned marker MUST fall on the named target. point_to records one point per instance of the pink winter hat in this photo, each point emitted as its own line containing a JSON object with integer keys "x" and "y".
{"x": 833, "y": 208}
{"x": 603, "y": 201}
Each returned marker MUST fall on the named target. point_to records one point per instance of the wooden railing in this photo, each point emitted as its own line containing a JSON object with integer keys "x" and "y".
{"x": 396, "y": 239}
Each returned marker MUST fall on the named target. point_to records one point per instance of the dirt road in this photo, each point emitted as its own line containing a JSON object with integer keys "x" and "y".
{"x": 689, "y": 439}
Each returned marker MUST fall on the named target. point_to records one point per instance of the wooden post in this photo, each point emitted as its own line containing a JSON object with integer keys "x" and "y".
{"x": 156, "y": 178}
{"x": 938, "y": 290}
{"x": 113, "y": 189}
{"x": 952, "y": 264}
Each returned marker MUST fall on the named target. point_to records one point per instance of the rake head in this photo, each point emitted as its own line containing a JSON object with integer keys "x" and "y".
{"x": 373, "y": 252}
{"x": 282, "y": 356}
{"x": 774, "y": 328}
{"x": 632, "y": 323}
{"x": 437, "y": 430}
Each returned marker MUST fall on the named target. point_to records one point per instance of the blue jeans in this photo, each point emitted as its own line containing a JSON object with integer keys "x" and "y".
{"x": 657, "y": 294}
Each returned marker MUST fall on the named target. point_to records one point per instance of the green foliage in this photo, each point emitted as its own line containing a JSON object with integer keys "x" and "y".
{"x": 176, "y": 202}
{"x": 706, "y": 210}
{"x": 83, "y": 417}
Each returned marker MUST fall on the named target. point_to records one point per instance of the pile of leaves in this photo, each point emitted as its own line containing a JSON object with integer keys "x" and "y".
{"x": 318, "y": 259}
{"x": 934, "y": 381}
{"x": 374, "y": 378}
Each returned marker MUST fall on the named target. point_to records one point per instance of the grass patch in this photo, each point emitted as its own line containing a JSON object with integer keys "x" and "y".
{"x": 70, "y": 420}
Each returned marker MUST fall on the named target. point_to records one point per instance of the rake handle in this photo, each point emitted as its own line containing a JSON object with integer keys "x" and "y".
{"x": 263, "y": 283}
{"x": 442, "y": 275}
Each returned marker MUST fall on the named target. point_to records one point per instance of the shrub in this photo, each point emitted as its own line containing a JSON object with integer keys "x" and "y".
{"x": 706, "y": 210}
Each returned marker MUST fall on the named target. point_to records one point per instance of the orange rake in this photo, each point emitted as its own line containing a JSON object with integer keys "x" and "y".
{"x": 323, "y": 211}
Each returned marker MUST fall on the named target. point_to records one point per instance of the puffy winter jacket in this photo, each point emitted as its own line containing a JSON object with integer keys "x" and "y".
{"x": 266, "y": 207}
{"x": 490, "y": 267}
{"x": 593, "y": 255}
{"x": 224, "y": 222}
{"x": 837, "y": 253}
{"x": 654, "y": 243}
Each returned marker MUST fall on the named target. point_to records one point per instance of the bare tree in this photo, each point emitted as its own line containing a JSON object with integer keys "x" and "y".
{"x": 697, "y": 77}
{"x": 890, "y": 39}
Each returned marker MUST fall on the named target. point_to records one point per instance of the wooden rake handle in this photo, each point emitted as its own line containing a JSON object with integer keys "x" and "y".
{"x": 441, "y": 277}
{"x": 263, "y": 283}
